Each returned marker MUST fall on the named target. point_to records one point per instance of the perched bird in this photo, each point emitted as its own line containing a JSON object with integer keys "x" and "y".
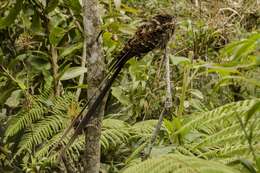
{"x": 153, "y": 34}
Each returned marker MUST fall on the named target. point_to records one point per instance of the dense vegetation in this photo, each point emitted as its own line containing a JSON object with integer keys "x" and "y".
{"x": 214, "y": 124}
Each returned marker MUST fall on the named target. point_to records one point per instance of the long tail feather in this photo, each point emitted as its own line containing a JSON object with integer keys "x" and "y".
{"x": 68, "y": 129}
{"x": 94, "y": 107}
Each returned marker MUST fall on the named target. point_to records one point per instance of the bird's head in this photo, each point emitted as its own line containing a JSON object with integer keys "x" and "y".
{"x": 165, "y": 19}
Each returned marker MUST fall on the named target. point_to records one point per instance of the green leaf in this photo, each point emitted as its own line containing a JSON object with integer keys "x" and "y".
{"x": 244, "y": 50}
{"x": 21, "y": 85}
{"x": 36, "y": 24}
{"x": 196, "y": 93}
{"x": 5, "y": 93}
{"x": 74, "y": 5}
{"x": 179, "y": 163}
{"x": 258, "y": 163}
{"x": 121, "y": 97}
{"x": 107, "y": 39}
{"x": 222, "y": 70}
{"x": 129, "y": 9}
{"x": 14, "y": 99}
{"x": 255, "y": 108}
{"x": 56, "y": 35}
{"x": 246, "y": 163}
{"x": 9, "y": 19}
{"x": 137, "y": 70}
{"x": 39, "y": 63}
{"x": 127, "y": 29}
{"x": 257, "y": 60}
{"x": 117, "y": 4}
{"x": 73, "y": 72}
{"x": 241, "y": 49}
{"x": 52, "y": 4}
{"x": 176, "y": 60}
{"x": 25, "y": 16}
{"x": 71, "y": 49}
{"x": 168, "y": 125}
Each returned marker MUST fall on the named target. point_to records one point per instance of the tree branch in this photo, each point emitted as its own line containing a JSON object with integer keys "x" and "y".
{"x": 167, "y": 105}
{"x": 93, "y": 52}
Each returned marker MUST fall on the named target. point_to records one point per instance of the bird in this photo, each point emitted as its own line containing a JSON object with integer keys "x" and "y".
{"x": 153, "y": 34}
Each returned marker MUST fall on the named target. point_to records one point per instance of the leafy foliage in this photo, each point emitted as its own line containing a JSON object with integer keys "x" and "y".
{"x": 217, "y": 134}
{"x": 179, "y": 163}
{"x": 212, "y": 127}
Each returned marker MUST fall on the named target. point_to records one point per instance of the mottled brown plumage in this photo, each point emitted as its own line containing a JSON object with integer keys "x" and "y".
{"x": 153, "y": 34}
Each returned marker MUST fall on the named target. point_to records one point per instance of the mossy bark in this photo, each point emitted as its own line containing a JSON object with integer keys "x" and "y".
{"x": 94, "y": 76}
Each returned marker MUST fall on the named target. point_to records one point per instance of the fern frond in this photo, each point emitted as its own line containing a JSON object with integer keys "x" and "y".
{"x": 221, "y": 134}
{"x": 219, "y": 116}
{"x": 114, "y": 132}
{"x": 24, "y": 119}
{"x": 41, "y": 131}
{"x": 144, "y": 128}
{"x": 44, "y": 150}
{"x": 178, "y": 163}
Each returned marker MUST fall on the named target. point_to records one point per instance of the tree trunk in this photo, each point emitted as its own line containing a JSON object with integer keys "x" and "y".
{"x": 94, "y": 58}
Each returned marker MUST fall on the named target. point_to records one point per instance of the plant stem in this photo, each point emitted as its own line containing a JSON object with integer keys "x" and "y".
{"x": 185, "y": 84}
{"x": 55, "y": 68}
{"x": 83, "y": 64}
{"x": 167, "y": 105}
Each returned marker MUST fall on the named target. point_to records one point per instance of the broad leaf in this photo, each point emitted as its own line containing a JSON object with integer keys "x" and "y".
{"x": 118, "y": 93}
{"x": 71, "y": 49}
{"x": 36, "y": 24}
{"x": 73, "y": 72}
{"x": 14, "y": 99}
{"x": 56, "y": 34}
{"x": 176, "y": 60}
{"x": 9, "y": 19}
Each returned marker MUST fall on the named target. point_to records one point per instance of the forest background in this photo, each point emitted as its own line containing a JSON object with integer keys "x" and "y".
{"x": 213, "y": 125}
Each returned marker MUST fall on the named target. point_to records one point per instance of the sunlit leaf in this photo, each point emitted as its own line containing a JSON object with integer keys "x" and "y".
{"x": 117, "y": 4}
{"x": 222, "y": 70}
{"x": 197, "y": 93}
{"x": 107, "y": 39}
{"x": 257, "y": 60}
{"x": 71, "y": 49}
{"x": 241, "y": 49}
{"x": 176, "y": 60}
{"x": 14, "y": 98}
{"x": 9, "y": 19}
{"x": 127, "y": 29}
{"x": 255, "y": 108}
{"x": 129, "y": 9}
{"x": 73, "y": 72}
{"x": 258, "y": 162}
{"x": 118, "y": 93}
{"x": 56, "y": 34}
{"x": 246, "y": 163}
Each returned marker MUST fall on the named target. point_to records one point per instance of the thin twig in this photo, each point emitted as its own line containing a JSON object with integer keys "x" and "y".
{"x": 185, "y": 84}
{"x": 168, "y": 102}
{"x": 167, "y": 105}
{"x": 55, "y": 68}
{"x": 83, "y": 64}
